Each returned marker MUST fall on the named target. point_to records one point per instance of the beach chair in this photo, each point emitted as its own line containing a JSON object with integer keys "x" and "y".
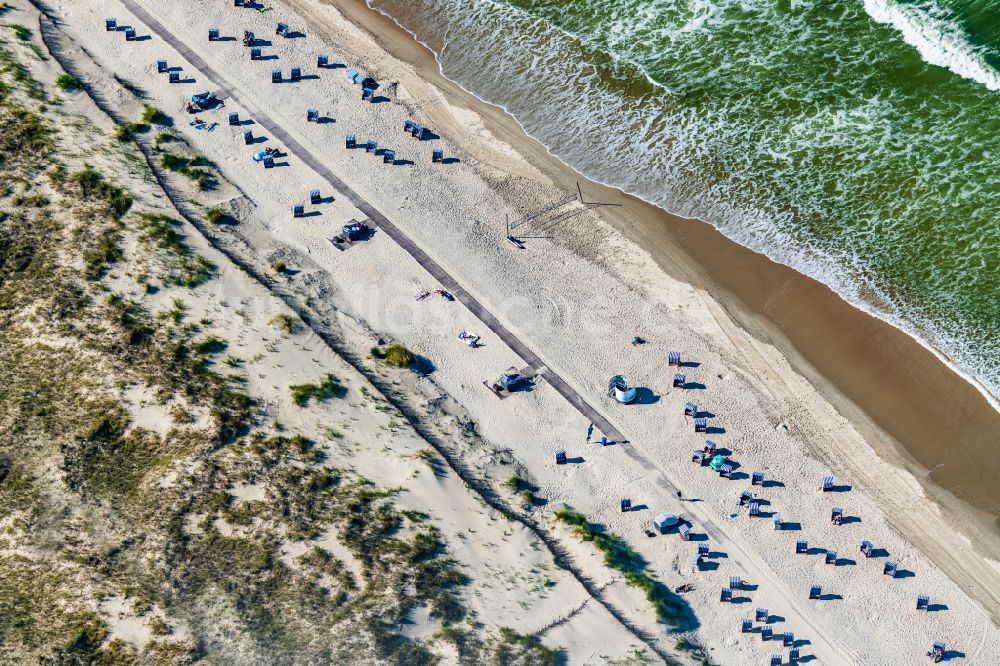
{"x": 866, "y": 548}
{"x": 709, "y": 447}
{"x": 561, "y": 457}
{"x": 889, "y": 569}
{"x": 371, "y": 147}
{"x": 389, "y": 157}
{"x": 815, "y": 591}
{"x": 161, "y": 66}
{"x": 761, "y": 615}
{"x": 314, "y": 198}
{"x": 213, "y": 34}
{"x": 793, "y": 655}
{"x": 174, "y": 77}
{"x": 690, "y": 409}
{"x": 312, "y": 115}
{"x": 923, "y": 602}
{"x": 698, "y": 457}
{"x": 937, "y": 652}
{"x": 626, "y": 504}
{"x": 255, "y": 53}
{"x": 247, "y": 137}
{"x": 703, "y": 549}
{"x": 757, "y": 479}
{"x": 234, "y": 118}
{"x": 830, "y": 557}
{"x": 351, "y": 142}
{"x": 418, "y": 133}
{"x": 684, "y": 531}
{"x": 129, "y": 34}
{"x": 735, "y": 582}
{"x": 322, "y": 62}
{"x": 276, "y": 75}
{"x": 239, "y": 3}
{"x": 268, "y": 164}
{"x": 700, "y": 425}
{"x": 366, "y": 94}
{"x": 408, "y": 126}
{"x": 697, "y": 561}
{"x": 788, "y": 639}
{"x": 776, "y": 520}
{"x": 827, "y": 484}
{"x": 766, "y": 633}
{"x": 299, "y": 210}
{"x": 746, "y": 626}
{"x": 679, "y": 380}
{"x": 296, "y": 74}
{"x": 726, "y": 471}
{"x": 282, "y": 29}
{"x": 437, "y": 155}
{"x": 775, "y": 660}
{"x": 110, "y": 24}
{"x": 726, "y": 596}
{"x": 836, "y": 515}
{"x": 754, "y": 509}
{"x": 801, "y": 547}
{"x": 674, "y": 358}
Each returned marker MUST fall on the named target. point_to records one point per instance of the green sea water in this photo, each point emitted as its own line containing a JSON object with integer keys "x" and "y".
{"x": 857, "y": 141}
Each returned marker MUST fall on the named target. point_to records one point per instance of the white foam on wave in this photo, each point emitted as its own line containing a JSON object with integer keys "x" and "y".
{"x": 939, "y": 40}
{"x": 756, "y": 230}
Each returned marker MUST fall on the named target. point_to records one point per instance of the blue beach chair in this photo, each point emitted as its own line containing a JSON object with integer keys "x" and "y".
{"x": 312, "y": 115}
{"x": 315, "y": 198}
{"x": 298, "y": 210}
{"x": 437, "y": 155}
{"x": 110, "y": 24}
{"x": 213, "y": 34}
{"x": 247, "y": 137}
{"x": 276, "y": 75}
{"x": 234, "y": 118}
{"x": 351, "y": 142}
{"x": 161, "y": 66}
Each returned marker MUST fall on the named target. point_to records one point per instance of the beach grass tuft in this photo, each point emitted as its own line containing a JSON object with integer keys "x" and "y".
{"x": 68, "y": 83}
{"x": 330, "y": 387}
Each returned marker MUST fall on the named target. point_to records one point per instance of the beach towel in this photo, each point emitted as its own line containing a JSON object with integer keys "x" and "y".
{"x": 211, "y": 127}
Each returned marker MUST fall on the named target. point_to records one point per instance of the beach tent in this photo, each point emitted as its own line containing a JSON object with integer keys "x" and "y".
{"x": 717, "y": 462}
{"x": 259, "y": 156}
{"x": 664, "y": 522}
{"x": 619, "y": 389}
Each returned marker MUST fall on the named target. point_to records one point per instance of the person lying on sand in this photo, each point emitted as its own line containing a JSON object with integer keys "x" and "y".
{"x": 686, "y": 587}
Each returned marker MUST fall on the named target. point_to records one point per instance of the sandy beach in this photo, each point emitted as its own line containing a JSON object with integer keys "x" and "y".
{"x": 793, "y": 382}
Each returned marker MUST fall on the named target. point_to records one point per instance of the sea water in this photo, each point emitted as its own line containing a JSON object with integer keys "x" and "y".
{"x": 857, "y": 141}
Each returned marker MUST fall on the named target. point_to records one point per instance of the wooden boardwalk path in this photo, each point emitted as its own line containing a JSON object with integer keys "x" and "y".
{"x": 226, "y": 89}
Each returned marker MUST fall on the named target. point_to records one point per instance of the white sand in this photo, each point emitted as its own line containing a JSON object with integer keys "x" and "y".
{"x": 576, "y": 300}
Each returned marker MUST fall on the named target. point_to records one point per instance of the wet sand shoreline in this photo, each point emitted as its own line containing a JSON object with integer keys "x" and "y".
{"x": 914, "y": 410}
